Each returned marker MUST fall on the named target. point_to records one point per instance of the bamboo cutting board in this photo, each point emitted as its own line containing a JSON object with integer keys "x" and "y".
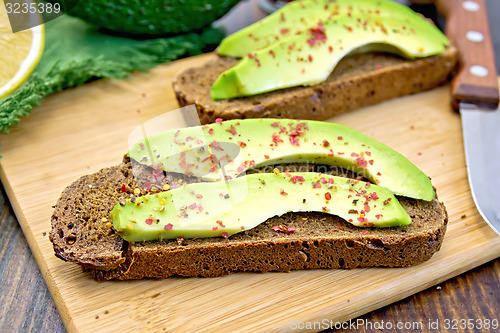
{"x": 84, "y": 129}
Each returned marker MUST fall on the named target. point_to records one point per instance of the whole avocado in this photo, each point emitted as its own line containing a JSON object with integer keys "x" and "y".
{"x": 149, "y": 17}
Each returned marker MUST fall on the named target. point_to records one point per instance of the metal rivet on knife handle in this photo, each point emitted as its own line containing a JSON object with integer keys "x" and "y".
{"x": 462, "y": 18}
{"x": 474, "y": 36}
{"x": 471, "y": 6}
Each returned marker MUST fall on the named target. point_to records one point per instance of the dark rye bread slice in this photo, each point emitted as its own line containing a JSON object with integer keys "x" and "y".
{"x": 79, "y": 234}
{"x": 358, "y": 80}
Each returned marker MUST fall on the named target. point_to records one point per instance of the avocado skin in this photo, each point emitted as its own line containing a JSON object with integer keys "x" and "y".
{"x": 149, "y": 17}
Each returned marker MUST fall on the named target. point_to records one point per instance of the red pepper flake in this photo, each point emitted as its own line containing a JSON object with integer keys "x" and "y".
{"x": 378, "y": 216}
{"x": 316, "y": 184}
{"x": 231, "y": 130}
{"x": 339, "y": 138}
{"x": 123, "y": 188}
{"x": 283, "y": 229}
{"x": 354, "y": 155}
{"x": 214, "y": 229}
{"x": 149, "y": 221}
{"x": 361, "y": 162}
{"x": 215, "y": 145}
{"x": 368, "y": 153}
{"x": 219, "y": 222}
{"x": 294, "y": 140}
{"x": 295, "y": 179}
{"x": 147, "y": 185}
{"x": 271, "y": 52}
{"x": 242, "y": 228}
{"x": 367, "y": 207}
{"x": 278, "y": 228}
{"x": 326, "y": 143}
{"x": 365, "y": 232}
{"x": 349, "y": 28}
{"x": 277, "y": 139}
{"x": 374, "y": 196}
{"x": 284, "y": 31}
{"x": 192, "y": 206}
{"x": 184, "y": 165}
{"x": 210, "y": 131}
{"x": 291, "y": 47}
{"x": 242, "y": 144}
{"x": 386, "y": 201}
{"x": 330, "y": 48}
{"x": 318, "y": 35}
{"x": 362, "y": 219}
{"x": 266, "y": 157}
{"x": 276, "y": 124}
{"x": 200, "y": 208}
{"x": 371, "y": 162}
{"x": 177, "y": 133}
{"x": 328, "y": 196}
{"x": 282, "y": 192}
{"x": 310, "y": 58}
{"x": 218, "y": 120}
{"x": 199, "y": 196}
{"x": 339, "y": 226}
{"x": 225, "y": 235}
{"x": 331, "y": 153}
{"x": 168, "y": 227}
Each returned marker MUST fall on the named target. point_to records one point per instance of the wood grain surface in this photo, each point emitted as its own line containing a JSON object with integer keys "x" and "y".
{"x": 26, "y": 305}
{"x": 82, "y": 130}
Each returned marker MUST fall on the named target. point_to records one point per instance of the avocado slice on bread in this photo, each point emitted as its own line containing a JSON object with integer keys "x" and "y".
{"x": 82, "y": 228}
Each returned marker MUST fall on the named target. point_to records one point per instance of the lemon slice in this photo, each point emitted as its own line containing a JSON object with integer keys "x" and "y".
{"x": 20, "y": 53}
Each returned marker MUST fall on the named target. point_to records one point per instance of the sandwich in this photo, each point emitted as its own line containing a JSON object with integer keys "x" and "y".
{"x": 254, "y": 195}
{"x": 314, "y": 59}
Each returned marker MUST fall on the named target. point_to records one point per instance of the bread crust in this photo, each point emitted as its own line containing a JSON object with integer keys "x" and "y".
{"x": 358, "y": 80}
{"x": 80, "y": 234}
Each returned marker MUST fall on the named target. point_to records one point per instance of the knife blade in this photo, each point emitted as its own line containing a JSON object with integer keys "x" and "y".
{"x": 474, "y": 91}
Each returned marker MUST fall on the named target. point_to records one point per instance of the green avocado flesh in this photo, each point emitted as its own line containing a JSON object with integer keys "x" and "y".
{"x": 301, "y": 44}
{"x": 239, "y": 145}
{"x": 225, "y": 208}
{"x": 309, "y": 58}
{"x": 299, "y": 16}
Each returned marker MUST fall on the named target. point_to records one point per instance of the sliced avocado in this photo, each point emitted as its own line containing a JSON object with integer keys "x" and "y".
{"x": 309, "y": 58}
{"x": 300, "y": 16}
{"x": 207, "y": 210}
{"x": 197, "y": 151}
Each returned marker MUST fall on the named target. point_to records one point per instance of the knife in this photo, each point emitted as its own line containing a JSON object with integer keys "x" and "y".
{"x": 474, "y": 91}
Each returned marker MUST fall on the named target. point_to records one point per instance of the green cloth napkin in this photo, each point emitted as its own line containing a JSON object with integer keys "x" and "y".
{"x": 76, "y": 52}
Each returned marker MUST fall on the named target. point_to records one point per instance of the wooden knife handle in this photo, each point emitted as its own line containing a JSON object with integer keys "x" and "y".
{"x": 468, "y": 29}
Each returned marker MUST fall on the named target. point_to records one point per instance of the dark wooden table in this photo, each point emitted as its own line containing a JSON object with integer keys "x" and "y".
{"x": 26, "y": 305}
